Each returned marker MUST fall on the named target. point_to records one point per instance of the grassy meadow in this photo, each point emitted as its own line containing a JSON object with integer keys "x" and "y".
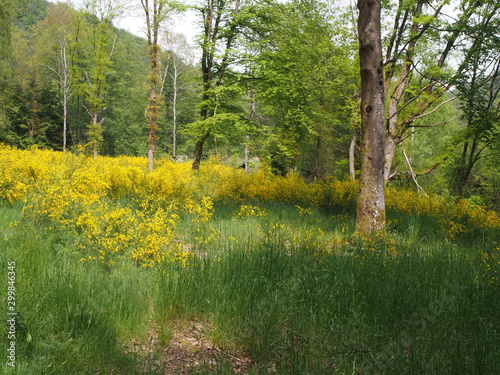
{"x": 115, "y": 264}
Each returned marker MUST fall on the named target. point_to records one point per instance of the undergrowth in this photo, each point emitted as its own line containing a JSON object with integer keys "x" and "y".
{"x": 107, "y": 254}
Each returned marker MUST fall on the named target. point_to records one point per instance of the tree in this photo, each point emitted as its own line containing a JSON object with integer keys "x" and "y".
{"x": 6, "y": 15}
{"x": 305, "y": 80}
{"x": 156, "y": 12}
{"x": 56, "y": 30}
{"x": 179, "y": 61}
{"x": 221, "y": 27}
{"x": 479, "y": 93}
{"x": 96, "y": 85}
{"x": 97, "y": 46}
{"x": 29, "y": 83}
{"x": 371, "y": 200}
{"x": 417, "y": 66}
{"x": 28, "y": 99}
{"x": 124, "y": 130}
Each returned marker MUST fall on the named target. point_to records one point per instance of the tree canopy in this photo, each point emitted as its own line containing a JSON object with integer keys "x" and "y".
{"x": 278, "y": 82}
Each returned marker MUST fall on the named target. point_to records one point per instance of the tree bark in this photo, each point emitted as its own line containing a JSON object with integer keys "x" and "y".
{"x": 154, "y": 99}
{"x": 153, "y": 22}
{"x": 371, "y": 200}
{"x": 174, "y": 112}
{"x": 64, "y": 82}
{"x": 198, "y": 151}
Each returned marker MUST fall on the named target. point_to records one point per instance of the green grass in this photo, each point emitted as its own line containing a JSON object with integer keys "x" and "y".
{"x": 70, "y": 313}
{"x": 407, "y": 304}
{"x": 300, "y": 315}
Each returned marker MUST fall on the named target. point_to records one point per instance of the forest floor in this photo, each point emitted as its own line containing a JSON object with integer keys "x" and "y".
{"x": 188, "y": 350}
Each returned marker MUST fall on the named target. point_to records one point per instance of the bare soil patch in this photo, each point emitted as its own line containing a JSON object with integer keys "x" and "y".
{"x": 189, "y": 350}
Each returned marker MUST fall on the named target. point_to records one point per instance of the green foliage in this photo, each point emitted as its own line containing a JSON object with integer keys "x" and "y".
{"x": 306, "y": 84}
{"x": 114, "y": 87}
{"x": 29, "y": 12}
{"x": 124, "y": 129}
{"x": 6, "y": 14}
{"x": 218, "y": 125}
{"x": 98, "y": 44}
{"x": 478, "y": 91}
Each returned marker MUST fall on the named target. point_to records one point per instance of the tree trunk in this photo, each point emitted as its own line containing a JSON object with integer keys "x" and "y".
{"x": 95, "y": 127}
{"x": 247, "y": 153}
{"x": 371, "y": 200}
{"x": 317, "y": 163}
{"x": 253, "y": 113}
{"x": 174, "y": 113}
{"x": 65, "y": 90}
{"x": 65, "y": 120}
{"x": 155, "y": 14}
{"x": 470, "y": 155}
{"x": 153, "y": 107}
{"x": 198, "y": 151}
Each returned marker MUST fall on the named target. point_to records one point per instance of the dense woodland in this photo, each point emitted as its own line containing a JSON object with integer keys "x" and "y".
{"x": 268, "y": 83}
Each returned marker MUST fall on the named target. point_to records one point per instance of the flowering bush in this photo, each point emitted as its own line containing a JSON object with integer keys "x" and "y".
{"x": 454, "y": 218}
{"x": 116, "y": 207}
{"x": 249, "y": 211}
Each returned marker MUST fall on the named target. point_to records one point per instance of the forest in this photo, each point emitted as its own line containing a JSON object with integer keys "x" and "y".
{"x": 267, "y": 83}
{"x": 308, "y": 187}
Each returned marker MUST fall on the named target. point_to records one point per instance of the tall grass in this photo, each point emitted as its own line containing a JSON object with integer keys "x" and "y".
{"x": 342, "y": 314}
{"x": 290, "y": 288}
{"x": 355, "y": 311}
{"x": 71, "y": 314}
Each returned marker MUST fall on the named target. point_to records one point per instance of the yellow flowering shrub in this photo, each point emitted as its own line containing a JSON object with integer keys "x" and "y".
{"x": 154, "y": 238}
{"x": 119, "y": 208}
{"x": 249, "y": 211}
{"x": 105, "y": 232}
{"x": 147, "y": 237}
{"x": 202, "y": 211}
{"x": 169, "y": 179}
{"x": 304, "y": 211}
{"x": 454, "y": 218}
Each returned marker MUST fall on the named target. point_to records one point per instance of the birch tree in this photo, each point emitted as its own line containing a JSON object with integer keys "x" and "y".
{"x": 179, "y": 61}
{"x": 57, "y": 30}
